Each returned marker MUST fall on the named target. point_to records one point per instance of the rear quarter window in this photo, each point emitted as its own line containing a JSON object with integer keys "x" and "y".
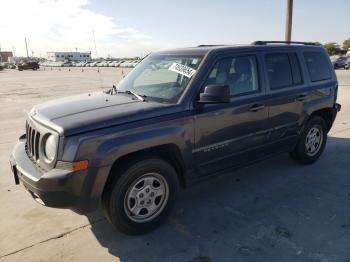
{"x": 317, "y": 65}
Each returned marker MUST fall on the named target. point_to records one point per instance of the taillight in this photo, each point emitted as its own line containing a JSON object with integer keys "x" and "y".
{"x": 338, "y": 107}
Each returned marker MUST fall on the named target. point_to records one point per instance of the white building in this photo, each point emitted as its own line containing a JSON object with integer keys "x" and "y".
{"x": 70, "y": 56}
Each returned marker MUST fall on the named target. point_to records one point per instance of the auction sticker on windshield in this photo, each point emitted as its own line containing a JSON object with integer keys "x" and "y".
{"x": 182, "y": 69}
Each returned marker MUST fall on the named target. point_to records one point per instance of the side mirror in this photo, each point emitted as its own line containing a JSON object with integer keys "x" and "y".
{"x": 215, "y": 94}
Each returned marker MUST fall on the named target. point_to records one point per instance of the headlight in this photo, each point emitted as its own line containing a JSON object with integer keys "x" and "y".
{"x": 50, "y": 148}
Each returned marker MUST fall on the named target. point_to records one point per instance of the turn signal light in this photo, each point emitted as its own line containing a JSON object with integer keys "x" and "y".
{"x": 80, "y": 165}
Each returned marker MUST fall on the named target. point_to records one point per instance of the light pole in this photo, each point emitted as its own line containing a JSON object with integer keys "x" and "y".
{"x": 25, "y": 40}
{"x": 289, "y": 16}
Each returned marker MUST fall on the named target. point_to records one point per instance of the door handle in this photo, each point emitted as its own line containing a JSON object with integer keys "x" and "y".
{"x": 301, "y": 97}
{"x": 256, "y": 107}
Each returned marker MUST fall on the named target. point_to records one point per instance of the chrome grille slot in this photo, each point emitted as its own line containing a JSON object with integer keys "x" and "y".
{"x": 33, "y": 142}
{"x": 32, "y": 135}
{"x": 36, "y": 145}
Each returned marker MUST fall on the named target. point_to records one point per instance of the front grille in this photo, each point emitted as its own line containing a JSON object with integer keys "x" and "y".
{"x": 33, "y": 142}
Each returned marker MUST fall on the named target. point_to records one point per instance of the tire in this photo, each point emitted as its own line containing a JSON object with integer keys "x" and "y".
{"x": 136, "y": 182}
{"x": 312, "y": 141}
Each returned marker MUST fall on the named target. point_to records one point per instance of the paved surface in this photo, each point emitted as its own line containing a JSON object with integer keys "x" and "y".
{"x": 275, "y": 210}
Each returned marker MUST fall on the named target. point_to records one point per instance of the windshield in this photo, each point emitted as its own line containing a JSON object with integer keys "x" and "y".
{"x": 161, "y": 77}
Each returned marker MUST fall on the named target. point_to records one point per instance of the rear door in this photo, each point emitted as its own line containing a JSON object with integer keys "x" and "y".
{"x": 232, "y": 134}
{"x": 286, "y": 95}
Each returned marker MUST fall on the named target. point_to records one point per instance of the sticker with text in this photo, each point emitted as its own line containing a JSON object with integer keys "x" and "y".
{"x": 182, "y": 69}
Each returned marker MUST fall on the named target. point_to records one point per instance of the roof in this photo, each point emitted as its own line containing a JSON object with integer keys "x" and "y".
{"x": 261, "y": 45}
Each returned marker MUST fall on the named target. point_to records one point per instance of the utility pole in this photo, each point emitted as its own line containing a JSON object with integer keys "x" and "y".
{"x": 93, "y": 36}
{"x": 25, "y": 40}
{"x": 289, "y": 16}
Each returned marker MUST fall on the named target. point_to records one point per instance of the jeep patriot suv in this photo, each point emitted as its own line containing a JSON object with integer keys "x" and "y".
{"x": 178, "y": 117}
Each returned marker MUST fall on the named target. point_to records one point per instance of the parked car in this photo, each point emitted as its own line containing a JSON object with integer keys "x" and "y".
{"x": 183, "y": 115}
{"x": 115, "y": 64}
{"x": 11, "y": 66}
{"x": 122, "y": 64}
{"x": 99, "y": 64}
{"x": 66, "y": 64}
{"x": 342, "y": 62}
{"x": 112, "y": 63}
{"x": 1, "y": 67}
{"x": 134, "y": 63}
{"x": 28, "y": 65}
{"x": 108, "y": 63}
{"x": 85, "y": 63}
{"x": 92, "y": 64}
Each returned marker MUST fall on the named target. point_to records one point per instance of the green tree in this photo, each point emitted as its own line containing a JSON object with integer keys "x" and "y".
{"x": 332, "y": 48}
{"x": 346, "y": 44}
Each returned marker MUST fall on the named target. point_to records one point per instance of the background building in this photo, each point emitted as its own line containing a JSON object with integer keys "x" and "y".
{"x": 71, "y": 56}
{"x": 5, "y": 56}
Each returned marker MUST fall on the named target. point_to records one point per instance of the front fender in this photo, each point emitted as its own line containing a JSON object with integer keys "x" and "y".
{"x": 113, "y": 148}
{"x": 103, "y": 147}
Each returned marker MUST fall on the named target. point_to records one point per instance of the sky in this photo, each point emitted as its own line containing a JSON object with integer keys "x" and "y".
{"x": 136, "y": 27}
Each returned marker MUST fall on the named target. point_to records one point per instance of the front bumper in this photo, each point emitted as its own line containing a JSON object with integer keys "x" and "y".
{"x": 77, "y": 190}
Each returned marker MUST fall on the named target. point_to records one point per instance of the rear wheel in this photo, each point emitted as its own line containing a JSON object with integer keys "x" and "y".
{"x": 311, "y": 142}
{"x": 142, "y": 197}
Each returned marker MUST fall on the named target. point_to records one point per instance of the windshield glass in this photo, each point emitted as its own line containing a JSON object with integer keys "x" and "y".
{"x": 161, "y": 77}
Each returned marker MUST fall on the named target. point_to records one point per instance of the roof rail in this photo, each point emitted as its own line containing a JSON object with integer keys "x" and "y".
{"x": 282, "y": 42}
{"x": 208, "y": 45}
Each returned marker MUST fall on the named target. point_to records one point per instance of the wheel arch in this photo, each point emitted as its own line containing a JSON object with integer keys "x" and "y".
{"x": 326, "y": 114}
{"x": 168, "y": 152}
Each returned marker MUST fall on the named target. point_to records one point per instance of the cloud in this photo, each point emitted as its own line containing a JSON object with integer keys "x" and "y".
{"x": 63, "y": 25}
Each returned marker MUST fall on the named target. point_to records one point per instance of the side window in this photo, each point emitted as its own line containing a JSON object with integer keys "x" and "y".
{"x": 239, "y": 73}
{"x": 317, "y": 66}
{"x": 279, "y": 70}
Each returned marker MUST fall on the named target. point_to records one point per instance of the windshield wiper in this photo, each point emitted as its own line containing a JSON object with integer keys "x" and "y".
{"x": 139, "y": 97}
{"x": 114, "y": 90}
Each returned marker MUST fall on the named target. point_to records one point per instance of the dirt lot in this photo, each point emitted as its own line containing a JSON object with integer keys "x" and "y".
{"x": 272, "y": 211}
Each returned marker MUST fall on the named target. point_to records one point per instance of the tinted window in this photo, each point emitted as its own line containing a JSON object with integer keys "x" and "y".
{"x": 317, "y": 66}
{"x": 279, "y": 70}
{"x": 296, "y": 72}
{"x": 239, "y": 73}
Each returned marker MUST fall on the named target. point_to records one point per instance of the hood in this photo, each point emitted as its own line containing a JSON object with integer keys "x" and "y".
{"x": 87, "y": 112}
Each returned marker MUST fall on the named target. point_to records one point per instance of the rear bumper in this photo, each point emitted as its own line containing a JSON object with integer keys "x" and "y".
{"x": 336, "y": 108}
{"x": 76, "y": 190}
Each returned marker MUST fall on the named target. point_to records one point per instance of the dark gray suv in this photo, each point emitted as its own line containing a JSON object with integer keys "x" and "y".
{"x": 178, "y": 117}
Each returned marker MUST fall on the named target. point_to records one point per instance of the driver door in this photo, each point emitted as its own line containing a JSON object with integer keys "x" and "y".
{"x": 235, "y": 133}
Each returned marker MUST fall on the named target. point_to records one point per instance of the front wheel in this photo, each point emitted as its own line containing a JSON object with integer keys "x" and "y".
{"x": 311, "y": 142}
{"x": 142, "y": 197}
